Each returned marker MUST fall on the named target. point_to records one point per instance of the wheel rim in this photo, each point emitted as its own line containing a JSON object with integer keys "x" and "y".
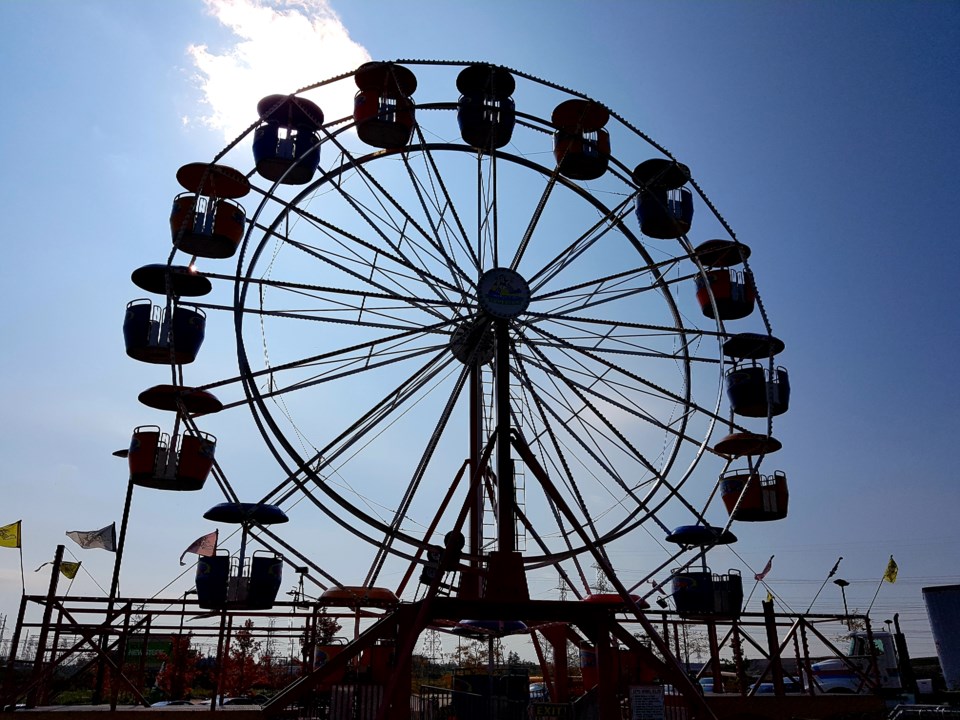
{"x": 278, "y": 440}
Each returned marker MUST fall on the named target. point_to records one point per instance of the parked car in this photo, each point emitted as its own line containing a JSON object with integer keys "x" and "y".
{"x": 246, "y": 700}
{"x": 539, "y": 692}
{"x": 789, "y": 686}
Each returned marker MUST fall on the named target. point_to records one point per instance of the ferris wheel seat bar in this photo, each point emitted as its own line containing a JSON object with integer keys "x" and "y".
{"x": 184, "y": 280}
{"x": 173, "y": 397}
{"x": 181, "y": 465}
{"x": 766, "y": 497}
{"x": 150, "y": 335}
{"x": 223, "y": 585}
{"x": 240, "y": 513}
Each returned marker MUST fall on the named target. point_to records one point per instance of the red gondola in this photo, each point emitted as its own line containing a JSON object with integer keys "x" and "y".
{"x": 581, "y": 145}
{"x": 205, "y": 220}
{"x": 157, "y": 463}
{"x": 765, "y": 497}
{"x": 383, "y": 108}
{"x": 732, "y": 290}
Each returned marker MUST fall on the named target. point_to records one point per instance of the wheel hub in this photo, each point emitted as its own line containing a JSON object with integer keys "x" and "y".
{"x": 503, "y": 293}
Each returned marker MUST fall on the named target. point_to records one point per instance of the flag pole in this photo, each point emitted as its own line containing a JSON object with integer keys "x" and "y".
{"x": 45, "y": 626}
{"x": 115, "y": 585}
{"x": 8, "y": 678}
{"x": 832, "y": 572}
{"x": 114, "y": 589}
{"x": 879, "y": 585}
{"x": 758, "y": 577}
{"x": 890, "y": 575}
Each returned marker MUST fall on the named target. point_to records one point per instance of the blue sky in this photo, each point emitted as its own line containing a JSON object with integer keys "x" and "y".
{"x": 824, "y": 133}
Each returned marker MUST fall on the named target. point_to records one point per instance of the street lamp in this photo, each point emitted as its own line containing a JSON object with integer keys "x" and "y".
{"x": 842, "y": 584}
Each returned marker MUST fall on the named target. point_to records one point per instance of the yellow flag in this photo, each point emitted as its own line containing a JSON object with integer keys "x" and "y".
{"x": 69, "y": 569}
{"x": 10, "y": 535}
{"x": 769, "y": 596}
{"x": 890, "y": 574}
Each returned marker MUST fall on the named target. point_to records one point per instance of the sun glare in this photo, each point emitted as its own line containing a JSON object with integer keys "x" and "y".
{"x": 278, "y": 48}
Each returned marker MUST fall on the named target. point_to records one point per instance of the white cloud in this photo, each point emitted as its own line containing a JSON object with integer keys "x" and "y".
{"x": 281, "y": 46}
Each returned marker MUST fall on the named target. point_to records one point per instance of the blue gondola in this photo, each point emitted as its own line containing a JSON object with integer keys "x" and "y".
{"x": 664, "y": 205}
{"x": 286, "y": 146}
{"x": 247, "y": 583}
{"x": 700, "y": 593}
{"x": 150, "y": 336}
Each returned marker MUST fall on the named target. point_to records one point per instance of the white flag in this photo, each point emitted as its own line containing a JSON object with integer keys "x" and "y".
{"x": 206, "y": 545}
{"x": 105, "y": 538}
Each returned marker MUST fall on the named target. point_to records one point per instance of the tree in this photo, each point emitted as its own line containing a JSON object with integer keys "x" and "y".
{"x": 474, "y": 654}
{"x": 179, "y": 669}
{"x": 323, "y": 632}
{"x": 240, "y": 670}
{"x": 695, "y": 643}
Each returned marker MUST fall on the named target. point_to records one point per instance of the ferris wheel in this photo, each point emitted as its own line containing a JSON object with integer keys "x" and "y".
{"x": 476, "y": 307}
